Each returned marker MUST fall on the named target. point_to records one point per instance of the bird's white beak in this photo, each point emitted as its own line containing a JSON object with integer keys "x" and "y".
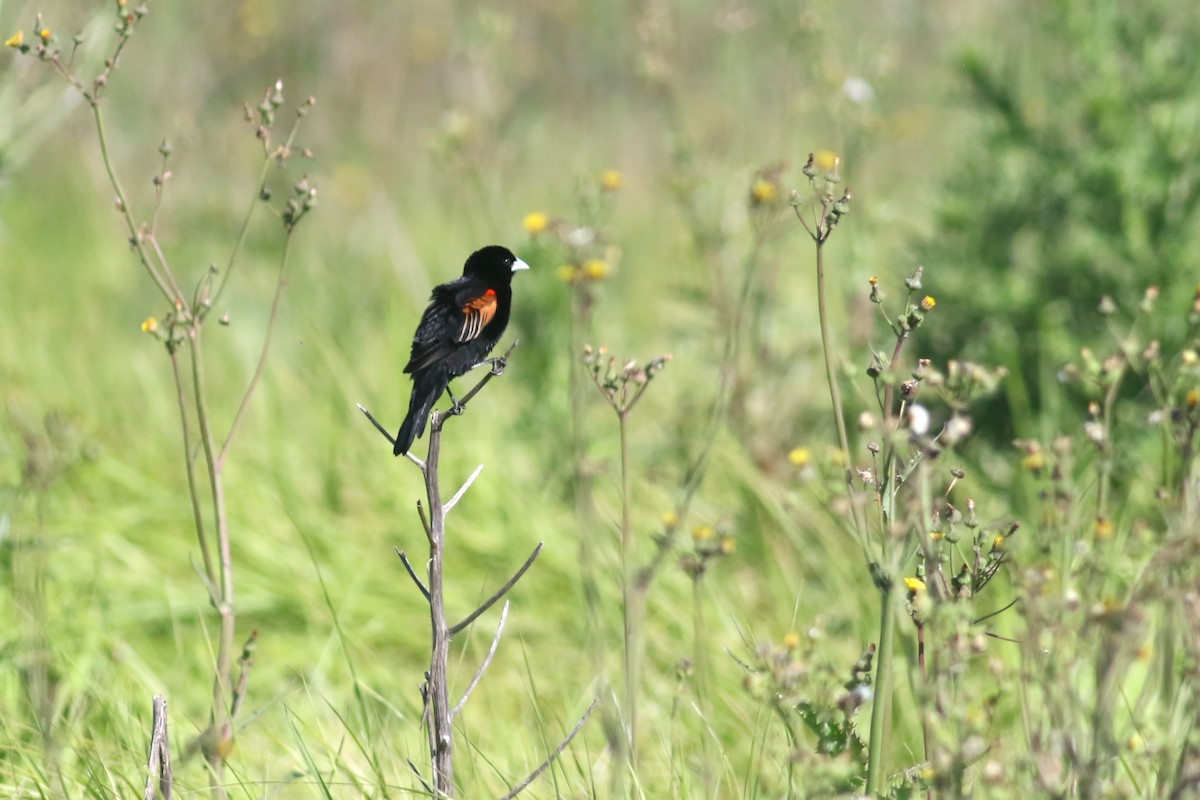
{"x": 519, "y": 265}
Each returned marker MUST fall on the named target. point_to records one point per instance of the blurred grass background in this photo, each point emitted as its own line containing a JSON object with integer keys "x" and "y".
{"x": 438, "y": 127}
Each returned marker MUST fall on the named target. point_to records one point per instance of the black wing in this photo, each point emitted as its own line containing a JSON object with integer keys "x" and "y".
{"x": 458, "y": 312}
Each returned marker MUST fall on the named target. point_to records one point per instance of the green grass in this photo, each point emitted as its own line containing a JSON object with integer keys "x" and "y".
{"x": 437, "y": 129}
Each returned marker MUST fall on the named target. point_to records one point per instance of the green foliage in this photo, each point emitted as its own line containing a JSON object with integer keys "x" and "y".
{"x": 1080, "y": 182}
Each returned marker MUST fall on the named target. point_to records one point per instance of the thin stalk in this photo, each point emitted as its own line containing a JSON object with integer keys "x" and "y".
{"x": 1106, "y": 450}
{"x": 266, "y": 348}
{"x": 134, "y": 238}
{"x": 189, "y": 463}
{"x": 700, "y": 666}
{"x": 221, "y": 724}
{"x": 835, "y": 394}
{"x": 883, "y": 688}
{"x": 269, "y": 155}
{"x": 441, "y": 739}
{"x": 629, "y": 613}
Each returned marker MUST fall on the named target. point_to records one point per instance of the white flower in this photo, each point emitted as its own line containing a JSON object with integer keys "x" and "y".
{"x": 918, "y": 419}
{"x": 858, "y": 91}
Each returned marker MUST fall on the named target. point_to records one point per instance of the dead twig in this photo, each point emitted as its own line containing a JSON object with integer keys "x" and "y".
{"x": 412, "y": 573}
{"x": 159, "y": 778}
{"x": 482, "y": 667}
{"x": 499, "y": 592}
{"x": 520, "y": 787}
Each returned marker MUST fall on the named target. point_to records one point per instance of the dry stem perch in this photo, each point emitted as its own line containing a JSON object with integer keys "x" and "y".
{"x": 435, "y": 692}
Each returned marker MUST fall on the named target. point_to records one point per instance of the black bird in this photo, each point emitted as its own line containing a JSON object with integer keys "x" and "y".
{"x": 464, "y": 320}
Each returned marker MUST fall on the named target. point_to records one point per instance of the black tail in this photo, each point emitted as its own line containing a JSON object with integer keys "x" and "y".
{"x": 426, "y": 390}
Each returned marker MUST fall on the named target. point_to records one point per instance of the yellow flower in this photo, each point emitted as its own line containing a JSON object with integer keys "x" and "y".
{"x": 536, "y": 222}
{"x": 670, "y": 519}
{"x": 791, "y": 640}
{"x": 16, "y": 40}
{"x": 149, "y": 325}
{"x": 45, "y": 34}
{"x": 1034, "y": 462}
{"x": 1193, "y": 398}
{"x": 595, "y": 269}
{"x": 703, "y": 533}
{"x": 927, "y": 303}
{"x": 568, "y": 273}
{"x": 826, "y": 160}
{"x": 1189, "y": 357}
{"x": 874, "y": 281}
{"x": 1104, "y": 528}
{"x": 728, "y": 545}
{"x": 937, "y": 536}
{"x": 610, "y": 180}
{"x": 800, "y": 456}
{"x": 914, "y": 585}
{"x": 762, "y": 192}
{"x": 998, "y": 542}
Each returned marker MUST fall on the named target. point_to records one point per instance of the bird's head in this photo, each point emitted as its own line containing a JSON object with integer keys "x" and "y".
{"x": 494, "y": 264}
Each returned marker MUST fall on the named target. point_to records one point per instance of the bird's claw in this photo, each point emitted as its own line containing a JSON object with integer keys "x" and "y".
{"x": 498, "y": 365}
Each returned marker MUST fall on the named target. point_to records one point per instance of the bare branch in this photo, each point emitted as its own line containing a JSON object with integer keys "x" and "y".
{"x": 425, "y": 522}
{"x": 520, "y": 787}
{"x": 421, "y": 778}
{"x": 482, "y": 667}
{"x": 412, "y": 573}
{"x": 491, "y": 601}
{"x": 453, "y": 501}
{"x": 378, "y": 425}
{"x": 159, "y": 777}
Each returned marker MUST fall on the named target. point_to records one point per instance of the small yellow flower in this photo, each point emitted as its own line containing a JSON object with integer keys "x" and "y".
{"x": 762, "y": 192}
{"x": 914, "y": 585}
{"x": 149, "y": 325}
{"x": 927, "y": 303}
{"x": 536, "y": 222}
{"x": 791, "y": 640}
{"x": 728, "y": 545}
{"x": 873, "y": 280}
{"x": 595, "y": 269}
{"x": 568, "y": 273}
{"x": 826, "y": 160}
{"x": 45, "y": 34}
{"x": 703, "y": 533}
{"x": 610, "y": 180}
{"x": 1034, "y": 462}
{"x": 16, "y": 40}
{"x": 670, "y": 519}
{"x": 1189, "y": 357}
{"x": 1193, "y": 398}
{"x": 937, "y": 536}
{"x": 998, "y": 542}
{"x": 1104, "y": 528}
{"x": 800, "y": 456}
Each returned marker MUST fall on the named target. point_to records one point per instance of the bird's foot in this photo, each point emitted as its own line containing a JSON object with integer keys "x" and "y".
{"x": 456, "y": 408}
{"x": 497, "y": 364}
